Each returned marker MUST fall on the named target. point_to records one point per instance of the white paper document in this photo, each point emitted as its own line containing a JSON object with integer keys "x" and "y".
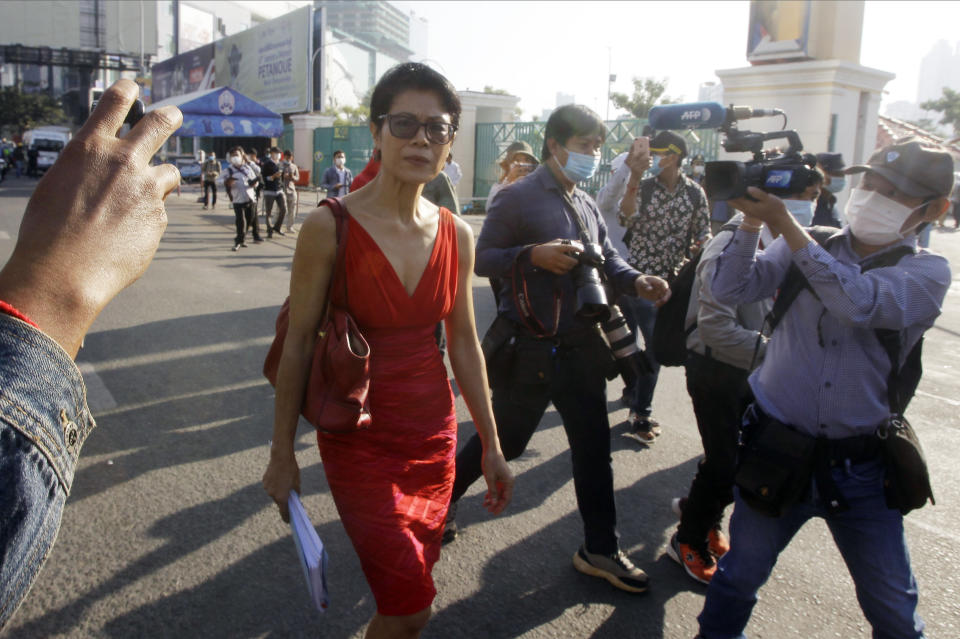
{"x": 313, "y": 557}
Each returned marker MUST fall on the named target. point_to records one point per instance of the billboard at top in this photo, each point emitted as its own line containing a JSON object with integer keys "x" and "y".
{"x": 779, "y": 30}
{"x": 185, "y": 73}
{"x": 269, "y": 63}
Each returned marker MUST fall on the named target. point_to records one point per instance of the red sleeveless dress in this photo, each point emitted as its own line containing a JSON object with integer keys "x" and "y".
{"x": 392, "y": 482}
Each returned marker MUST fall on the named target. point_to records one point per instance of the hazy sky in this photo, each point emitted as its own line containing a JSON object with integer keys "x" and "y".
{"x": 535, "y": 49}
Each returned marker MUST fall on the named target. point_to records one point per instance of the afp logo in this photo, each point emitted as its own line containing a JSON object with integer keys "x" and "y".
{"x": 696, "y": 115}
{"x": 778, "y": 179}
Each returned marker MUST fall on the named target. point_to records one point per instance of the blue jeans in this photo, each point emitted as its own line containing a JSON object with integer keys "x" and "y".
{"x": 641, "y": 315}
{"x": 43, "y": 422}
{"x": 869, "y": 536}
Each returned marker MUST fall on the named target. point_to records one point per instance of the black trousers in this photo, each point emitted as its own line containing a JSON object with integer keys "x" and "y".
{"x": 207, "y": 186}
{"x": 246, "y": 219}
{"x": 268, "y": 200}
{"x": 720, "y": 395}
{"x": 578, "y": 391}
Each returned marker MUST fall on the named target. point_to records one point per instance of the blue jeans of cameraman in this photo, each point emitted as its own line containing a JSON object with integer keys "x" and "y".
{"x": 869, "y": 536}
{"x": 641, "y": 315}
{"x": 44, "y": 421}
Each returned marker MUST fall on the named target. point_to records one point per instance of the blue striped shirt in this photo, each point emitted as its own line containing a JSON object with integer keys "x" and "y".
{"x": 838, "y": 389}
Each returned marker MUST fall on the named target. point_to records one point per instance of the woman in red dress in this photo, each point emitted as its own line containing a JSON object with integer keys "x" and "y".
{"x": 408, "y": 265}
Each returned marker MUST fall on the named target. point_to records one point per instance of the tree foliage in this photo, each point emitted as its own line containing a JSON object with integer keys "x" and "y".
{"x": 22, "y": 111}
{"x": 647, "y": 93}
{"x": 949, "y": 105}
{"x": 491, "y": 90}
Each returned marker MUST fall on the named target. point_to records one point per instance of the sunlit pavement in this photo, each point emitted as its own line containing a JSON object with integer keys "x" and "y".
{"x": 169, "y": 533}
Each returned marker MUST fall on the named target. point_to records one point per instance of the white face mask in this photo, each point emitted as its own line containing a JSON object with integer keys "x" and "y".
{"x": 275, "y": 157}
{"x": 338, "y": 161}
{"x": 698, "y": 169}
{"x": 236, "y": 160}
{"x": 801, "y": 210}
{"x": 875, "y": 219}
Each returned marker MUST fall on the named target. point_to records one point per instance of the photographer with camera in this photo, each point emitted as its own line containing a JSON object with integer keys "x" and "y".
{"x": 667, "y": 219}
{"x": 547, "y": 242}
{"x": 833, "y": 385}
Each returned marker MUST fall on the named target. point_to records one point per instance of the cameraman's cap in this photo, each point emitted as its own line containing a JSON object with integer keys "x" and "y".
{"x": 917, "y": 170}
{"x": 832, "y": 163}
{"x": 668, "y": 142}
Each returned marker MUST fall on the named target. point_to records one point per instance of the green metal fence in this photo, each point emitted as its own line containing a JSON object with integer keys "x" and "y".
{"x": 286, "y": 140}
{"x": 494, "y": 138}
{"x": 355, "y": 141}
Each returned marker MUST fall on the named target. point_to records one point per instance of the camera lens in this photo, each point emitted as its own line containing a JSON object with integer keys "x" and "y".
{"x": 591, "y": 298}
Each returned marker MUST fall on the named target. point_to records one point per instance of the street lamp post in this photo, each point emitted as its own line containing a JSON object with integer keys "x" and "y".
{"x": 313, "y": 60}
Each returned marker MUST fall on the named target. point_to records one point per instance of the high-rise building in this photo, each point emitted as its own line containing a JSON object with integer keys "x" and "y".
{"x": 939, "y": 68}
{"x": 379, "y": 23}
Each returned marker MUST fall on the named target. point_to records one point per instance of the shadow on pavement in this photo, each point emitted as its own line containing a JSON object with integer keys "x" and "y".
{"x": 176, "y": 392}
{"x": 533, "y": 583}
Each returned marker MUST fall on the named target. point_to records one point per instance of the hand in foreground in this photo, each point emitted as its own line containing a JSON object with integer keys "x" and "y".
{"x": 763, "y": 208}
{"x": 94, "y": 221}
{"x": 499, "y": 479}
{"x": 558, "y": 256}
{"x": 652, "y": 288}
{"x": 638, "y": 158}
{"x": 282, "y": 476}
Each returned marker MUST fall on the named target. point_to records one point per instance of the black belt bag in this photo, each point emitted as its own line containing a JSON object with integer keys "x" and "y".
{"x": 775, "y": 463}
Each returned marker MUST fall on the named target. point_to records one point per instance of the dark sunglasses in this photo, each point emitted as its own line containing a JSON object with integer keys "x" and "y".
{"x": 405, "y": 127}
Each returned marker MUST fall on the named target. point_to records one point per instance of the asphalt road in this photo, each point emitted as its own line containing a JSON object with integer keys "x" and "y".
{"x": 168, "y": 532}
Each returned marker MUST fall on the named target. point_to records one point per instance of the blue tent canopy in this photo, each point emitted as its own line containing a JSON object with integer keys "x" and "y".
{"x": 223, "y": 112}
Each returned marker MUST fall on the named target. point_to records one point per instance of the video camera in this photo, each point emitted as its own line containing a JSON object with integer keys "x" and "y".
{"x": 781, "y": 173}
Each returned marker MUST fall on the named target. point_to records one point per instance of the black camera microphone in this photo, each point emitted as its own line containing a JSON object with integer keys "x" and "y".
{"x": 702, "y": 115}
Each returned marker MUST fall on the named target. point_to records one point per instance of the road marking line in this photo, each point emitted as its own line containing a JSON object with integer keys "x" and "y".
{"x": 952, "y": 402}
{"x": 181, "y": 353}
{"x": 99, "y": 398}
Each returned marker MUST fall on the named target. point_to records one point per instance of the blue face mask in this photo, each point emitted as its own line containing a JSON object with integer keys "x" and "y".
{"x": 580, "y": 167}
{"x": 836, "y": 184}
{"x": 655, "y": 168}
{"x": 801, "y": 210}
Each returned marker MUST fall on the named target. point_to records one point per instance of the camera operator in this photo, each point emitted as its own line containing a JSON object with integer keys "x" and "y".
{"x": 823, "y": 383}
{"x": 545, "y": 344}
{"x": 834, "y": 181}
{"x": 667, "y": 219}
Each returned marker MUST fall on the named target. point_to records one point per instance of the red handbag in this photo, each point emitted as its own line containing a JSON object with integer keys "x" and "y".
{"x": 335, "y": 399}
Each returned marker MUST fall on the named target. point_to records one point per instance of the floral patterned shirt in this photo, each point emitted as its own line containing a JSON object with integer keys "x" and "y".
{"x": 660, "y": 235}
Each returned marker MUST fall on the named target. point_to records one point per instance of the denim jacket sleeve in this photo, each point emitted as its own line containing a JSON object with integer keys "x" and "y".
{"x": 44, "y": 421}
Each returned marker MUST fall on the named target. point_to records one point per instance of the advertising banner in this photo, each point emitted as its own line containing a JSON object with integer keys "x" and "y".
{"x": 186, "y": 73}
{"x": 779, "y": 30}
{"x": 269, "y": 63}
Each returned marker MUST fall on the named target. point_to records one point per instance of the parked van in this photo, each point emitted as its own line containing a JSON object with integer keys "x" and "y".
{"x": 48, "y": 141}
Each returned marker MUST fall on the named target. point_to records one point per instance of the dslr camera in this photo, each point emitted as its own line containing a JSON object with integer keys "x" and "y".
{"x": 780, "y": 173}
{"x": 592, "y": 303}
{"x": 591, "y": 294}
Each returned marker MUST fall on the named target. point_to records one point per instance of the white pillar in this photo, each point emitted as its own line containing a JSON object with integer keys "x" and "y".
{"x": 303, "y": 126}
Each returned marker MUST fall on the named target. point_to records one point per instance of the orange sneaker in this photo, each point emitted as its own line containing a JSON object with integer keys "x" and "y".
{"x": 717, "y": 542}
{"x": 699, "y": 564}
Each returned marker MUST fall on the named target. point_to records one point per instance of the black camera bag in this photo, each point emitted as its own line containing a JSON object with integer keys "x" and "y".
{"x": 774, "y": 465}
{"x": 669, "y": 341}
